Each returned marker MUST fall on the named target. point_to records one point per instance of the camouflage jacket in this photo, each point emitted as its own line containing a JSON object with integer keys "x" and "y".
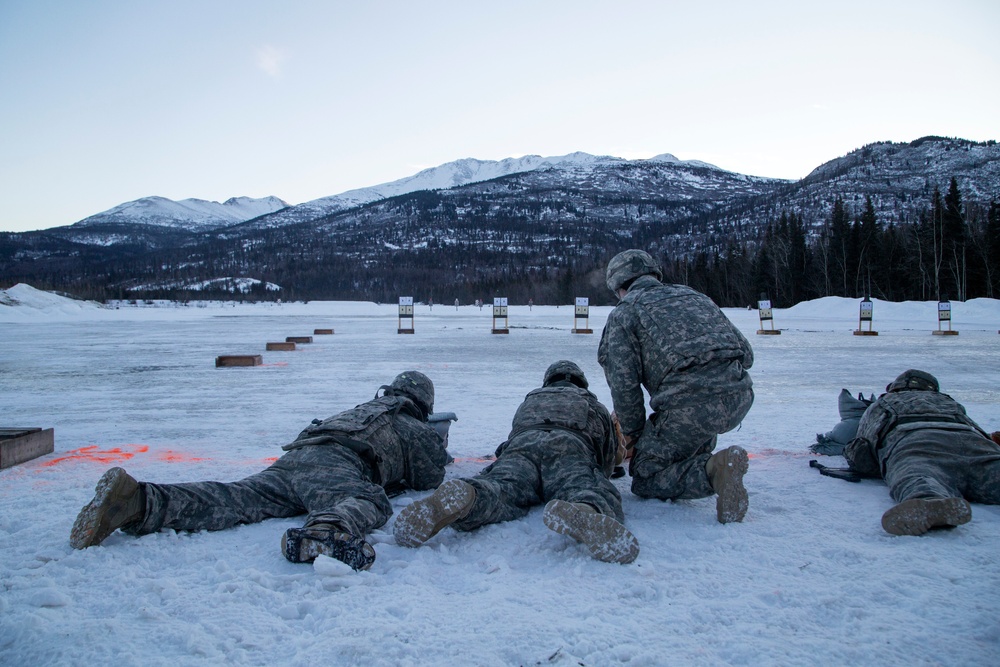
{"x": 897, "y": 414}
{"x": 675, "y": 342}
{"x": 391, "y": 436}
{"x": 565, "y": 410}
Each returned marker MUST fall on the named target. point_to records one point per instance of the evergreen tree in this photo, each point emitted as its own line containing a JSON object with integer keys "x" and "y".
{"x": 870, "y": 266}
{"x": 838, "y": 241}
{"x": 992, "y": 245}
{"x": 954, "y": 238}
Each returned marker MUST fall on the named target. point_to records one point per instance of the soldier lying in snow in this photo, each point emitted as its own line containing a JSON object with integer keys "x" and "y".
{"x": 934, "y": 458}
{"x": 561, "y": 451}
{"x": 336, "y": 472}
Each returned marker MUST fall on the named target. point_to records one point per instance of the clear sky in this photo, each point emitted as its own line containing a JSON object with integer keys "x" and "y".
{"x": 104, "y": 102}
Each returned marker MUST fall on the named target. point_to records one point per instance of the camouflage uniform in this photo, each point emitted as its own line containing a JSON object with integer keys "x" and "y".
{"x": 334, "y": 471}
{"x": 925, "y": 446}
{"x": 561, "y": 446}
{"x": 677, "y": 343}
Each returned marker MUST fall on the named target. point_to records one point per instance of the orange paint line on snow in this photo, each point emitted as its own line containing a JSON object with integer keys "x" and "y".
{"x": 171, "y": 456}
{"x": 105, "y": 456}
{"x": 93, "y": 453}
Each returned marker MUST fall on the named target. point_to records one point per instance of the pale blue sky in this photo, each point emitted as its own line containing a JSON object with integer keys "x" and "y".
{"x": 106, "y": 102}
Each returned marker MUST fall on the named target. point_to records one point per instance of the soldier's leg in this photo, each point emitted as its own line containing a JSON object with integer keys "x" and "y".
{"x": 925, "y": 479}
{"x": 584, "y": 504}
{"x": 921, "y": 466}
{"x": 574, "y": 475}
{"x": 343, "y": 505}
{"x": 218, "y": 505}
{"x": 504, "y": 491}
{"x": 670, "y": 457}
{"x": 981, "y": 458}
{"x": 335, "y": 487}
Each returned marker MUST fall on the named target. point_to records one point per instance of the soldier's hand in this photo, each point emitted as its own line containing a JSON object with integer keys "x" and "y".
{"x": 624, "y": 454}
{"x": 625, "y": 442}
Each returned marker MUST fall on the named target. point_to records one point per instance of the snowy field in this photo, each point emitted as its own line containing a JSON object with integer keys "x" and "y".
{"x": 809, "y": 578}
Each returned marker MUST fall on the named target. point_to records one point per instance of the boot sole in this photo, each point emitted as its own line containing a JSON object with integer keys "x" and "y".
{"x": 421, "y": 520}
{"x": 732, "y": 502}
{"x": 604, "y": 536}
{"x": 104, "y": 514}
{"x": 300, "y": 546}
{"x": 919, "y": 515}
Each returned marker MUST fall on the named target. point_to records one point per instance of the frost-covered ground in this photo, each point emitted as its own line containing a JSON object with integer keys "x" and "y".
{"x": 808, "y": 579}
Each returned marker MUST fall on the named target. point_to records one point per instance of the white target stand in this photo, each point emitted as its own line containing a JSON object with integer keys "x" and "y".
{"x": 405, "y": 312}
{"x": 500, "y": 312}
{"x": 865, "y": 316}
{"x": 766, "y": 315}
{"x": 944, "y": 315}
{"x": 582, "y": 312}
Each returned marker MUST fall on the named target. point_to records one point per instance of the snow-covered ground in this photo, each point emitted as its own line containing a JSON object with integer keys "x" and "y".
{"x": 809, "y": 578}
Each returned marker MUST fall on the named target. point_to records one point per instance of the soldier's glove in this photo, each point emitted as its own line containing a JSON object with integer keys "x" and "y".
{"x": 995, "y": 437}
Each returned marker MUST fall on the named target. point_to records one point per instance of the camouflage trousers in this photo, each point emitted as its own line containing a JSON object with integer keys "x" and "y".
{"x": 670, "y": 455}
{"x": 936, "y": 463}
{"x": 537, "y": 467}
{"x": 329, "y": 483}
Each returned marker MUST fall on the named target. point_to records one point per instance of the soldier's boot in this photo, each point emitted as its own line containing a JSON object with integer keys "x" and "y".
{"x": 916, "y": 516}
{"x": 118, "y": 501}
{"x": 604, "y": 536}
{"x": 303, "y": 545}
{"x": 725, "y": 472}
{"x": 423, "y": 519}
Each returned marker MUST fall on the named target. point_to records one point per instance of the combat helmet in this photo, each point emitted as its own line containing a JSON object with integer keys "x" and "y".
{"x": 417, "y": 387}
{"x": 914, "y": 379}
{"x": 628, "y": 265}
{"x": 565, "y": 370}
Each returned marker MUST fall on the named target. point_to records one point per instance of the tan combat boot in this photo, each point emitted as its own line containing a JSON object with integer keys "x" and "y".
{"x": 118, "y": 500}
{"x": 725, "y": 472}
{"x": 916, "y": 516}
{"x": 604, "y": 536}
{"x": 423, "y": 519}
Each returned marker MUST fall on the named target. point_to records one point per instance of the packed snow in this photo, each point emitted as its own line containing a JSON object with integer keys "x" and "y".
{"x": 809, "y": 578}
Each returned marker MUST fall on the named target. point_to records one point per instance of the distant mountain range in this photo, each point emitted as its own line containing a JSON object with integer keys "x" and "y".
{"x": 471, "y": 227}
{"x": 199, "y": 215}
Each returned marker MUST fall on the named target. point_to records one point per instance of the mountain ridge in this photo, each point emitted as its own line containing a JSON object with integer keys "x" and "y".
{"x": 199, "y": 215}
{"x": 545, "y": 231}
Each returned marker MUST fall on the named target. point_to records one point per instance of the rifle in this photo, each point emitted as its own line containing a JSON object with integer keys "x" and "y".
{"x": 845, "y": 474}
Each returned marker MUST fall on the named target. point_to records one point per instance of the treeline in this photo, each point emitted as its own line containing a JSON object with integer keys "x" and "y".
{"x": 951, "y": 252}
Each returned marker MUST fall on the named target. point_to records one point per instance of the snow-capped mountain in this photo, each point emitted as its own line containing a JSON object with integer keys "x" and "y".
{"x": 190, "y": 214}
{"x": 198, "y": 215}
{"x": 456, "y": 174}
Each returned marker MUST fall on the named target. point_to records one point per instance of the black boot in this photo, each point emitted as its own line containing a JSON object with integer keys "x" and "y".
{"x": 303, "y": 545}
